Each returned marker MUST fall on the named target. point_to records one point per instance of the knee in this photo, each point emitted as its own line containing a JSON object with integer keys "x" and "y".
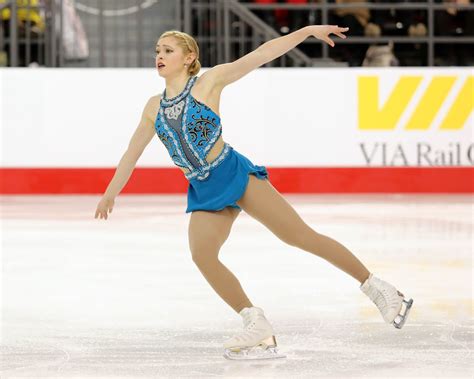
{"x": 204, "y": 256}
{"x": 205, "y": 262}
{"x": 290, "y": 238}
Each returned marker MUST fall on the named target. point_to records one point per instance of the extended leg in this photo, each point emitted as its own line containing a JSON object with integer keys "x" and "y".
{"x": 207, "y": 233}
{"x": 264, "y": 203}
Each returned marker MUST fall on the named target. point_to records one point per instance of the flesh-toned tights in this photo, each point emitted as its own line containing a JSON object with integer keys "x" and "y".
{"x": 208, "y": 230}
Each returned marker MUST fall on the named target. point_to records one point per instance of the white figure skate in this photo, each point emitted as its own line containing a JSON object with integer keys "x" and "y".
{"x": 257, "y": 341}
{"x": 388, "y": 300}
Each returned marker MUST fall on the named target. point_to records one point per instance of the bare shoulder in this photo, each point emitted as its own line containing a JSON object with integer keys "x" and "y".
{"x": 152, "y": 107}
{"x": 154, "y": 101}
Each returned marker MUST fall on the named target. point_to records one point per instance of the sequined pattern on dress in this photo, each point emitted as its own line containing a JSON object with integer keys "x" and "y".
{"x": 199, "y": 130}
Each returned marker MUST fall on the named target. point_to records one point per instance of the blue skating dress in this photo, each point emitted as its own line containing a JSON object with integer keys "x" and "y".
{"x": 189, "y": 129}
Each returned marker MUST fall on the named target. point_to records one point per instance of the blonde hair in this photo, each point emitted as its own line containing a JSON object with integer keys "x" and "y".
{"x": 189, "y": 45}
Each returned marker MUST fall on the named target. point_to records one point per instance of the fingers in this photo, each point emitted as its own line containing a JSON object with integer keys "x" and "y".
{"x": 102, "y": 214}
{"x": 339, "y": 28}
{"x": 329, "y": 41}
{"x": 339, "y": 31}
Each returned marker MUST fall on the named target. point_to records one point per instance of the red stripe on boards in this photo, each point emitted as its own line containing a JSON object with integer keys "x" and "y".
{"x": 171, "y": 180}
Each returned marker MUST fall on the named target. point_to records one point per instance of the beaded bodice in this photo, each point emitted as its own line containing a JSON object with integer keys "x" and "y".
{"x": 189, "y": 129}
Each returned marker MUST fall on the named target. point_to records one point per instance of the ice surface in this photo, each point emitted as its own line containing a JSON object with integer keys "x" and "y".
{"x": 122, "y": 298}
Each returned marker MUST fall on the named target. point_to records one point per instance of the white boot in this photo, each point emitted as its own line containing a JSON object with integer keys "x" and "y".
{"x": 257, "y": 341}
{"x": 388, "y": 300}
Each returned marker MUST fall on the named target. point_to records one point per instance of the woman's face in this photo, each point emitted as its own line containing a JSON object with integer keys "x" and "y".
{"x": 169, "y": 59}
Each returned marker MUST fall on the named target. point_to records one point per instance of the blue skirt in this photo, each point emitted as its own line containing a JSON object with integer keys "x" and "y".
{"x": 225, "y": 184}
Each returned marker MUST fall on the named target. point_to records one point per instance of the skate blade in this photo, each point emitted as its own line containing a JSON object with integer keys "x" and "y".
{"x": 401, "y": 318}
{"x": 266, "y": 349}
{"x": 253, "y": 354}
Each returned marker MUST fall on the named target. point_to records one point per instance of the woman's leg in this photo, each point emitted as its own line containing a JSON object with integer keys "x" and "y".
{"x": 207, "y": 233}
{"x": 264, "y": 203}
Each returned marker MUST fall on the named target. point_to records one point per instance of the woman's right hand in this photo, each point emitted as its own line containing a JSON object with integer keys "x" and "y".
{"x": 105, "y": 205}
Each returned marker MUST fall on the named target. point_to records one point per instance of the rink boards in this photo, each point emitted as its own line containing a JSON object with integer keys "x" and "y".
{"x": 316, "y": 130}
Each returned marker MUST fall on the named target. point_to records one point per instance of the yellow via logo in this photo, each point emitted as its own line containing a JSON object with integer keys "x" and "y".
{"x": 373, "y": 117}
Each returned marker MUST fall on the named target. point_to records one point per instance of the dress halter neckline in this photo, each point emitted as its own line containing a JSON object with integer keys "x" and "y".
{"x": 186, "y": 88}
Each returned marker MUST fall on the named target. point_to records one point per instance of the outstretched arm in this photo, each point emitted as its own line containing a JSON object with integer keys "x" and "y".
{"x": 140, "y": 139}
{"x": 224, "y": 74}
{"x": 281, "y": 45}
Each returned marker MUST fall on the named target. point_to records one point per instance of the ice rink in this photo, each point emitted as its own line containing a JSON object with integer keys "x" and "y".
{"x": 122, "y": 298}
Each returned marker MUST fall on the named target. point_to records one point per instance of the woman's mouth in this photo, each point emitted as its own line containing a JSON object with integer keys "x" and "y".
{"x": 160, "y": 65}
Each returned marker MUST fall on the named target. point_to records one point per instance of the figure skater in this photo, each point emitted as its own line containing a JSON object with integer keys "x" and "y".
{"x": 222, "y": 181}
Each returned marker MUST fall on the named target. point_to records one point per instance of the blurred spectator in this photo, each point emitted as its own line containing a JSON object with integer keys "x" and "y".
{"x": 356, "y": 19}
{"x": 33, "y": 15}
{"x": 402, "y": 22}
{"x": 32, "y": 18}
{"x": 387, "y": 22}
{"x": 380, "y": 56}
{"x": 454, "y": 22}
{"x": 396, "y": 22}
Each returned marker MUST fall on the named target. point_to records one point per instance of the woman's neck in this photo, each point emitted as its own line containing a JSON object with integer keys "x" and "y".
{"x": 175, "y": 86}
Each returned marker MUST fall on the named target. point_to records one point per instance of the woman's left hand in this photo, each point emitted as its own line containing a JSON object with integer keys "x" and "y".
{"x": 322, "y": 32}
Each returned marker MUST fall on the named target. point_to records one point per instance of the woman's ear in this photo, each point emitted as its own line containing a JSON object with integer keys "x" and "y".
{"x": 191, "y": 57}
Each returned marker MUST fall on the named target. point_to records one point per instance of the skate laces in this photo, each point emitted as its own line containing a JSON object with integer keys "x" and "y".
{"x": 379, "y": 294}
{"x": 250, "y": 319}
{"x": 378, "y": 298}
